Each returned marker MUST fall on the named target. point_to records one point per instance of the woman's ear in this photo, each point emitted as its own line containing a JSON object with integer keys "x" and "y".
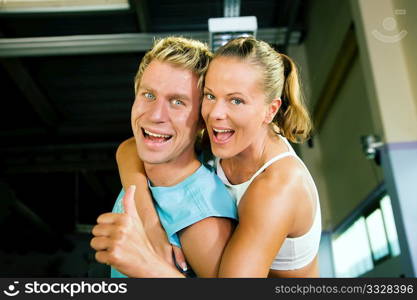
{"x": 273, "y": 108}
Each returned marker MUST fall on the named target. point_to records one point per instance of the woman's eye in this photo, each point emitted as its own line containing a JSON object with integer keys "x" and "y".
{"x": 177, "y": 102}
{"x": 149, "y": 96}
{"x": 209, "y": 96}
{"x": 236, "y": 101}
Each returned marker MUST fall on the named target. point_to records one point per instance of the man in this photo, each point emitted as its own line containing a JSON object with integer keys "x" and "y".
{"x": 165, "y": 120}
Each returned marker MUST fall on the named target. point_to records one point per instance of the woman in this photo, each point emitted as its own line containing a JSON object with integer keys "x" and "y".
{"x": 252, "y": 104}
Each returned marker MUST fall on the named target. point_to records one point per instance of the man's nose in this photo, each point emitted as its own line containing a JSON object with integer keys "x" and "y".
{"x": 159, "y": 111}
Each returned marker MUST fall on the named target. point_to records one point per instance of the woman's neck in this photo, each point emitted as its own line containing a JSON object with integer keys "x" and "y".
{"x": 243, "y": 166}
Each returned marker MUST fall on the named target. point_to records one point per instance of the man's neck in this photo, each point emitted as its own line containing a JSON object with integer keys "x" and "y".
{"x": 173, "y": 172}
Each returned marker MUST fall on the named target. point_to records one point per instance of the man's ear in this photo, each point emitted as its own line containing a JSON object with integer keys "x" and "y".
{"x": 273, "y": 108}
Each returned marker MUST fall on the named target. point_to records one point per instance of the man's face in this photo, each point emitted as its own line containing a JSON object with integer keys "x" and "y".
{"x": 165, "y": 115}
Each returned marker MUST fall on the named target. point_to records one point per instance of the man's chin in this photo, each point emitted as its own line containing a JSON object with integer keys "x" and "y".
{"x": 154, "y": 159}
{"x": 155, "y": 162}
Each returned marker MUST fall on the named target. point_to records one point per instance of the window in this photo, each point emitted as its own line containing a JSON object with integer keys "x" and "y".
{"x": 368, "y": 239}
{"x": 377, "y": 236}
{"x": 351, "y": 251}
{"x": 390, "y": 225}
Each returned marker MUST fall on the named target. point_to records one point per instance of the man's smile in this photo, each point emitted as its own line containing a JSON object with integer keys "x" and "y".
{"x": 154, "y": 136}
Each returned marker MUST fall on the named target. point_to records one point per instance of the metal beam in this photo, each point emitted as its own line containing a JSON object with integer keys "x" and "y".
{"x": 66, "y": 130}
{"x": 115, "y": 128}
{"x": 335, "y": 78}
{"x": 231, "y": 8}
{"x": 29, "y": 88}
{"x": 142, "y": 14}
{"x": 115, "y": 43}
{"x": 23, "y": 132}
{"x": 58, "y": 158}
{"x": 8, "y": 196}
{"x": 93, "y": 147}
{"x": 295, "y": 5}
{"x": 60, "y": 167}
{"x": 94, "y": 183}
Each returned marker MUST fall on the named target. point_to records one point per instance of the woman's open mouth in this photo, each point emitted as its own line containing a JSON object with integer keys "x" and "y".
{"x": 155, "y": 137}
{"x": 222, "y": 135}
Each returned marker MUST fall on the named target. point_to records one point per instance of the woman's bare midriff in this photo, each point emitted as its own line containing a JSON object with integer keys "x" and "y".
{"x": 311, "y": 270}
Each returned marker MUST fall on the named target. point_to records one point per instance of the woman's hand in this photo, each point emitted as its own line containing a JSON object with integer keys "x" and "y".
{"x": 121, "y": 241}
{"x": 159, "y": 241}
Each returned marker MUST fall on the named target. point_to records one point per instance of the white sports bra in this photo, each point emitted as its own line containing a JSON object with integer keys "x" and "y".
{"x": 294, "y": 253}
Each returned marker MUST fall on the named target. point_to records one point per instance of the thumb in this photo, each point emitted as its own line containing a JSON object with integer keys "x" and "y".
{"x": 129, "y": 204}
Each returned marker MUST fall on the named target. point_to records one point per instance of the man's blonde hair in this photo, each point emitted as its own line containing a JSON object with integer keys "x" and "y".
{"x": 182, "y": 52}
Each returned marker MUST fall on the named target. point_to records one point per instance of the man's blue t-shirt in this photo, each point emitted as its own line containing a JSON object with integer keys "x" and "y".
{"x": 199, "y": 196}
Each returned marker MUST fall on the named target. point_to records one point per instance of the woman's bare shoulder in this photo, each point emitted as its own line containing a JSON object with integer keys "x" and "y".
{"x": 275, "y": 191}
{"x": 286, "y": 173}
{"x": 282, "y": 189}
{"x": 290, "y": 181}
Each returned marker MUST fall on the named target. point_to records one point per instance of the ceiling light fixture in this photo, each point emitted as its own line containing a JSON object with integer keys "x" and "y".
{"x": 45, "y": 6}
{"x": 222, "y": 30}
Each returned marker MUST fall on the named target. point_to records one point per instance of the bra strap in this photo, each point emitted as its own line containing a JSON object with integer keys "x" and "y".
{"x": 271, "y": 161}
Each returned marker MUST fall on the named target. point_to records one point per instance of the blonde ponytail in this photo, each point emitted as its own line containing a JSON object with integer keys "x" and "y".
{"x": 292, "y": 118}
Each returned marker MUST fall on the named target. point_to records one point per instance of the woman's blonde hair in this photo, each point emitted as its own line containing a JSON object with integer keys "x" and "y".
{"x": 186, "y": 53}
{"x": 280, "y": 80}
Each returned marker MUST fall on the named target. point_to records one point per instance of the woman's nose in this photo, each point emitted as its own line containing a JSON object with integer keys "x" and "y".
{"x": 218, "y": 110}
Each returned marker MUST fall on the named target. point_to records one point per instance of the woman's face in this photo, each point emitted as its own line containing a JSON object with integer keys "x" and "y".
{"x": 234, "y": 106}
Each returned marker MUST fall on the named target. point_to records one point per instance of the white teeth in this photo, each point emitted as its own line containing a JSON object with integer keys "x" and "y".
{"x": 222, "y": 130}
{"x": 156, "y": 135}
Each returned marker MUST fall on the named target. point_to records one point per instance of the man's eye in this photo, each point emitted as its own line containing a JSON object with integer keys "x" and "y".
{"x": 177, "y": 102}
{"x": 236, "y": 101}
{"x": 149, "y": 96}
